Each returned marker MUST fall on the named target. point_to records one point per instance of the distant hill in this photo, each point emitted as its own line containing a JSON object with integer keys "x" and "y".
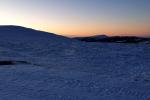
{"x": 95, "y": 37}
{"x": 114, "y": 39}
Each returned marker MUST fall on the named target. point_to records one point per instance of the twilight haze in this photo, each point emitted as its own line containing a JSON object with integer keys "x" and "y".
{"x": 79, "y": 17}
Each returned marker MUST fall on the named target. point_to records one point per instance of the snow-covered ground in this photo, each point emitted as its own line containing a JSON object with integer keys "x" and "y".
{"x": 59, "y": 68}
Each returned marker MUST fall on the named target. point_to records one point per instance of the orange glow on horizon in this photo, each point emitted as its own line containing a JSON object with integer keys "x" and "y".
{"x": 79, "y": 18}
{"x": 76, "y": 29}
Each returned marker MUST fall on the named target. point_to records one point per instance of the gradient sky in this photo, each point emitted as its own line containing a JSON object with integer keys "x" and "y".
{"x": 79, "y": 17}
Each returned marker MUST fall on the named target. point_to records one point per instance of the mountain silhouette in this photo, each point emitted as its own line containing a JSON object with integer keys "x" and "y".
{"x": 114, "y": 39}
{"x": 95, "y": 37}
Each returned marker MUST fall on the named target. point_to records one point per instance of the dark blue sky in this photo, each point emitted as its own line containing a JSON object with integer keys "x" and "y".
{"x": 79, "y": 17}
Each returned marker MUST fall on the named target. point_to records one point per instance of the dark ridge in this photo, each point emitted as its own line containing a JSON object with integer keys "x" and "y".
{"x": 116, "y": 39}
{"x": 96, "y": 37}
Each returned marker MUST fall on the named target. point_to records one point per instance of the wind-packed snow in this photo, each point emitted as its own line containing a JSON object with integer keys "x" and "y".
{"x": 59, "y": 68}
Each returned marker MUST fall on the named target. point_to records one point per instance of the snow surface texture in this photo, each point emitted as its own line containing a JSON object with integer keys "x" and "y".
{"x": 58, "y": 68}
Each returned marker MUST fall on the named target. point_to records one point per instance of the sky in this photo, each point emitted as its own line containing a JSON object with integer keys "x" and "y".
{"x": 79, "y": 17}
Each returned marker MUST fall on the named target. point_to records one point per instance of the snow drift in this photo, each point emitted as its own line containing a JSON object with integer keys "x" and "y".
{"x": 51, "y": 67}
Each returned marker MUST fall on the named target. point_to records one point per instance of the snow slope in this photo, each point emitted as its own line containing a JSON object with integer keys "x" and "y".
{"x": 59, "y": 68}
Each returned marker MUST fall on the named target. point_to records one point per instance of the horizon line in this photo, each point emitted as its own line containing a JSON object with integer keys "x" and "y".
{"x": 72, "y": 36}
